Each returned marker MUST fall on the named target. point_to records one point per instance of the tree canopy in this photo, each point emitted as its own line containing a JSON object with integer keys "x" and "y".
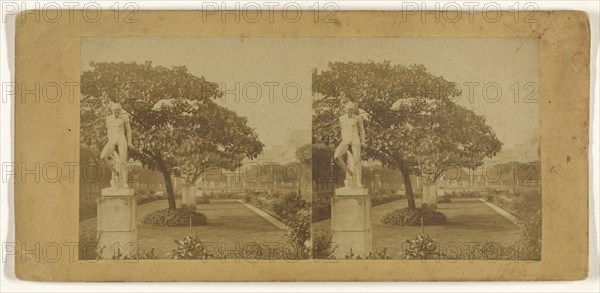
{"x": 177, "y": 126}
{"x": 412, "y": 123}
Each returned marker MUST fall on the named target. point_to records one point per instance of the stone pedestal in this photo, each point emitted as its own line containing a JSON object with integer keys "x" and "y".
{"x": 429, "y": 193}
{"x": 116, "y": 222}
{"x": 188, "y": 194}
{"x": 351, "y": 221}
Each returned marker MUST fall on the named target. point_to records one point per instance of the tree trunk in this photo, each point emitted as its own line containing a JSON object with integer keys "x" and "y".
{"x": 166, "y": 175}
{"x": 410, "y": 196}
{"x": 169, "y": 185}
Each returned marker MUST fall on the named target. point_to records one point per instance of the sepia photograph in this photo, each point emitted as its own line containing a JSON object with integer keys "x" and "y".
{"x": 330, "y": 148}
{"x": 436, "y": 144}
{"x": 340, "y": 146}
{"x": 202, "y": 154}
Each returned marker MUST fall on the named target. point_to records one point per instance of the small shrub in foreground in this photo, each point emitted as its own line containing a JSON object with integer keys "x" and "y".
{"x": 190, "y": 248}
{"x": 422, "y": 247}
{"x": 322, "y": 245}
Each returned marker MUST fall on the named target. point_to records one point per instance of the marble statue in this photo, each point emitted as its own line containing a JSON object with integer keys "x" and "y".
{"x": 353, "y": 137}
{"x": 114, "y": 152}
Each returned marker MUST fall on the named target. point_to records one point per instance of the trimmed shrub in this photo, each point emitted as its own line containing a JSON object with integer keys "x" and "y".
{"x": 470, "y": 194}
{"x": 432, "y": 206}
{"x": 142, "y": 199}
{"x": 174, "y": 218}
{"x": 412, "y": 217}
{"x": 382, "y": 199}
{"x": 224, "y": 195}
{"x": 444, "y": 199}
{"x": 202, "y": 200}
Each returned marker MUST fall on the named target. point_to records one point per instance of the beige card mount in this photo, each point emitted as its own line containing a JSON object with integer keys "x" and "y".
{"x": 339, "y": 146}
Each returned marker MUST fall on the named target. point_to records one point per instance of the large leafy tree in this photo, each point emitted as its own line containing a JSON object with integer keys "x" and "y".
{"x": 178, "y": 128}
{"x": 411, "y": 121}
{"x": 456, "y": 137}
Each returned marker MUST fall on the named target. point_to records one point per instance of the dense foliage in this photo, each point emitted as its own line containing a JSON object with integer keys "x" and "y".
{"x": 182, "y": 216}
{"x": 412, "y": 123}
{"x": 529, "y": 215}
{"x": 295, "y": 213}
{"x": 202, "y": 200}
{"x": 190, "y": 247}
{"x": 288, "y": 206}
{"x": 414, "y": 217}
{"x": 322, "y": 248}
{"x": 423, "y": 247}
{"x": 178, "y": 128}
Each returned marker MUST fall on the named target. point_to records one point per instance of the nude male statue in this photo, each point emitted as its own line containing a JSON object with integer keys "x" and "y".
{"x": 353, "y": 137}
{"x": 119, "y": 136}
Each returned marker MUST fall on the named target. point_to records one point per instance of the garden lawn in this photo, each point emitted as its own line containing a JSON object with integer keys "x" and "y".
{"x": 229, "y": 224}
{"x": 470, "y": 221}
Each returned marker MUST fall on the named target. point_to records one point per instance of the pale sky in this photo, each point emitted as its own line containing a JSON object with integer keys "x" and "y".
{"x": 290, "y": 60}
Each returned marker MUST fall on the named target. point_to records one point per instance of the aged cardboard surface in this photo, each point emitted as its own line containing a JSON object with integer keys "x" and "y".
{"x": 47, "y": 132}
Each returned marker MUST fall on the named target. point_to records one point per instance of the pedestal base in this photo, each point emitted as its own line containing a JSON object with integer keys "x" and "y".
{"x": 351, "y": 221}
{"x": 116, "y": 223}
